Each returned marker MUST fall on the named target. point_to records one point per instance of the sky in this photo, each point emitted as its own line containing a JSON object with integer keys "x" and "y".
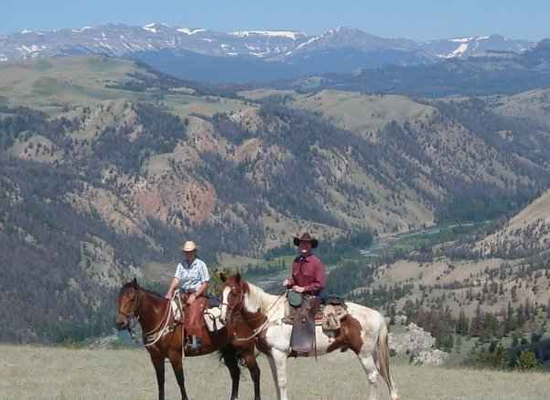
{"x": 413, "y": 19}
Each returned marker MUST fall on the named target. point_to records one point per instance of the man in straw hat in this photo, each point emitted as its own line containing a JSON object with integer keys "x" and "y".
{"x": 192, "y": 278}
{"x": 308, "y": 272}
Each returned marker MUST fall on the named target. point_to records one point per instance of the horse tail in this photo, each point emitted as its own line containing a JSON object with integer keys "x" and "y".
{"x": 383, "y": 355}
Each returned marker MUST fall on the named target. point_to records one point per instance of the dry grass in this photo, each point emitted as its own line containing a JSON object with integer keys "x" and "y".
{"x": 362, "y": 113}
{"x": 59, "y": 373}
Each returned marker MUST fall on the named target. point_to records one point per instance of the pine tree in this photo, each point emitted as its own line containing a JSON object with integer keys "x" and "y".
{"x": 520, "y": 317}
{"x": 476, "y": 326}
{"x": 463, "y": 324}
{"x": 509, "y": 319}
{"x": 458, "y": 344}
{"x": 527, "y": 309}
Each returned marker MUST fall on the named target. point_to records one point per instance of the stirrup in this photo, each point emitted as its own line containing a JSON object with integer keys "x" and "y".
{"x": 194, "y": 344}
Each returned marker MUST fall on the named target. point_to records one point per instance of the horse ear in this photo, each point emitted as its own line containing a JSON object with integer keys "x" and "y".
{"x": 238, "y": 277}
{"x": 222, "y": 276}
{"x": 134, "y": 282}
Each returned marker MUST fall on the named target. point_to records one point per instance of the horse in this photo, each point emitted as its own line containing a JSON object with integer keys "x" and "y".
{"x": 164, "y": 338}
{"x": 363, "y": 330}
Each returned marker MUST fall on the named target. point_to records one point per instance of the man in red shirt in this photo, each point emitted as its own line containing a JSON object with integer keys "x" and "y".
{"x": 308, "y": 272}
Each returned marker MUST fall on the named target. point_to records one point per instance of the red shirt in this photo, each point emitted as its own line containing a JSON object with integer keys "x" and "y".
{"x": 309, "y": 272}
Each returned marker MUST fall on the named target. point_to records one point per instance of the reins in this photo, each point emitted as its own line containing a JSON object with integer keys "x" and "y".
{"x": 153, "y": 336}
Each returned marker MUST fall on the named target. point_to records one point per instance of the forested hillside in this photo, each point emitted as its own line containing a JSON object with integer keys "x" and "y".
{"x": 491, "y": 74}
{"x": 107, "y": 166}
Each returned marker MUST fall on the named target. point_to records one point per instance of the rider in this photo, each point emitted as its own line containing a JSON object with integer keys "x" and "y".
{"x": 308, "y": 272}
{"x": 192, "y": 278}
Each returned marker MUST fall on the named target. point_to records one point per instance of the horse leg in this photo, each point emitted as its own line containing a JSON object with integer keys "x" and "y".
{"x": 230, "y": 359}
{"x": 273, "y": 368}
{"x": 252, "y": 366}
{"x": 177, "y": 366}
{"x": 279, "y": 364}
{"x": 158, "y": 363}
{"x": 368, "y": 364}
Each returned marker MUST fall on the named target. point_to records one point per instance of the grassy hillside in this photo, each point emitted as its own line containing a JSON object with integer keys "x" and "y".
{"x": 128, "y": 374}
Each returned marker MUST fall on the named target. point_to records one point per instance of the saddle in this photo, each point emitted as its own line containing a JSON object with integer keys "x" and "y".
{"x": 211, "y": 313}
{"x": 306, "y": 313}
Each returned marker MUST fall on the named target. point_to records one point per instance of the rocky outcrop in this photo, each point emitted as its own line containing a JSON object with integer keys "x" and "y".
{"x": 419, "y": 344}
{"x": 433, "y": 357}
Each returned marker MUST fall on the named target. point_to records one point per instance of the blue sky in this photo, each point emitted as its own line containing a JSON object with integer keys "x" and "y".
{"x": 415, "y": 19}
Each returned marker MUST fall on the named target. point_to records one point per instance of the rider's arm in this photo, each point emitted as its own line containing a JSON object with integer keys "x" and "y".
{"x": 202, "y": 289}
{"x": 290, "y": 282}
{"x": 205, "y": 278}
{"x": 173, "y": 285}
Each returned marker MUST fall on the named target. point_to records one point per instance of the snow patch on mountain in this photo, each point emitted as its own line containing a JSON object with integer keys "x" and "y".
{"x": 285, "y": 34}
{"x": 313, "y": 39}
{"x": 30, "y": 50}
{"x": 150, "y": 28}
{"x": 470, "y": 39}
{"x": 462, "y": 40}
{"x": 460, "y": 51}
{"x": 188, "y": 31}
{"x": 83, "y": 29}
{"x": 107, "y": 46}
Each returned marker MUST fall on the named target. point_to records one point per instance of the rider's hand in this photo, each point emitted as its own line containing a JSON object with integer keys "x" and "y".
{"x": 298, "y": 289}
{"x": 168, "y": 295}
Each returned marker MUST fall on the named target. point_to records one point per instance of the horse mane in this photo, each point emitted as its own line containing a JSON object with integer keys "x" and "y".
{"x": 153, "y": 293}
{"x": 259, "y": 298}
{"x": 135, "y": 285}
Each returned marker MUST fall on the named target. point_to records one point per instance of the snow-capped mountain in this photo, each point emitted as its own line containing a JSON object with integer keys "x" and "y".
{"x": 475, "y": 46}
{"x": 195, "y": 53}
{"x": 120, "y": 39}
{"x": 123, "y": 40}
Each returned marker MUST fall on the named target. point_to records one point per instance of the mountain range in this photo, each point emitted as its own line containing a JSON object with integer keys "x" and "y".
{"x": 248, "y": 55}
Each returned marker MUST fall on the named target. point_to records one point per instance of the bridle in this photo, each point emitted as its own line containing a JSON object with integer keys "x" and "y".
{"x": 131, "y": 316}
{"x": 238, "y": 305}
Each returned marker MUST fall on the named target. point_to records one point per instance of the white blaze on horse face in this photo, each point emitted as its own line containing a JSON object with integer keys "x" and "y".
{"x": 225, "y": 298}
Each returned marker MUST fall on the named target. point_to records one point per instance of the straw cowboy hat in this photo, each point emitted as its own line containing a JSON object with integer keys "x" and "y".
{"x": 189, "y": 246}
{"x": 306, "y": 237}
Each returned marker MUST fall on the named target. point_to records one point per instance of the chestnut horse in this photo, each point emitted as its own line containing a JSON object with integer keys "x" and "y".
{"x": 164, "y": 339}
{"x": 363, "y": 331}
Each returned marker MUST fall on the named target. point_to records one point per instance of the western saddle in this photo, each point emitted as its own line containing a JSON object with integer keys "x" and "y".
{"x": 304, "y": 312}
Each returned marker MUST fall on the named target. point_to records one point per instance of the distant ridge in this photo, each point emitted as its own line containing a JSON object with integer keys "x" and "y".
{"x": 292, "y": 53}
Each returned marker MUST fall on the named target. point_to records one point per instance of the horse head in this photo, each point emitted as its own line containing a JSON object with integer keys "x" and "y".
{"x": 233, "y": 293}
{"x": 127, "y": 304}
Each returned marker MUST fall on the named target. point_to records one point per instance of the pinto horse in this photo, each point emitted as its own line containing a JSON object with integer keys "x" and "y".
{"x": 363, "y": 331}
{"x": 157, "y": 322}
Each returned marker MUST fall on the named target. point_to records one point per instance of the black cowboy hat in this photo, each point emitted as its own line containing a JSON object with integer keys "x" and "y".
{"x": 306, "y": 237}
